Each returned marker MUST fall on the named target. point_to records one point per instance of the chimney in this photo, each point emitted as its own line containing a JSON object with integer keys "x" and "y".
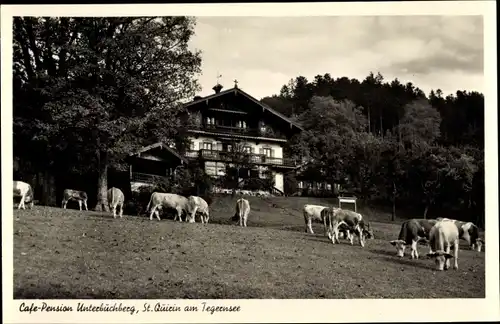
{"x": 217, "y": 88}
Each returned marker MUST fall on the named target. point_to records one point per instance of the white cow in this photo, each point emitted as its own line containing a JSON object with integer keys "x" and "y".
{"x": 469, "y": 232}
{"x": 198, "y": 204}
{"x": 312, "y": 212}
{"x": 161, "y": 200}
{"x": 116, "y": 198}
{"x": 25, "y": 191}
{"x": 242, "y": 211}
{"x": 70, "y": 194}
{"x": 443, "y": 235}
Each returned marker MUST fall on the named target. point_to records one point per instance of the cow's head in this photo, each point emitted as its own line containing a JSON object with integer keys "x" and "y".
{"x": 471, "y": 235}
{"x": 440, "y": 257}
{"x": 400, "y": 247}
{"x": 368, "y": 231}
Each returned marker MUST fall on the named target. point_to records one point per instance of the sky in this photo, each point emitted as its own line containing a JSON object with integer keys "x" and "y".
{"x": 264, "y": 53}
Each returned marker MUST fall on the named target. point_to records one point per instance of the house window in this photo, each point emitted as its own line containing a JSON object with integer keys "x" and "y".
{"x": 247, "y": 149}
{"x": 267, "y": 152}
{"x": 215, "y": 168}
{"x": 229, "y": 147}
{"x": 192, "y": 146}
{"x": 210, "y": 121}
{"x": 207, "y": 146}
{"x": 241, "y": 124}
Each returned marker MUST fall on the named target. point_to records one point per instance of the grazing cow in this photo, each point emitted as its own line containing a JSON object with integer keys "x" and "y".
{"x": 198, "y": 204}
{"x": 469, "y": 232}
{"x": 353, "y": 220}
{"x": 161, "y": 200}
{"x": 242, "y": 211}
{"x": 343, "y": 228}
{"x": 412, "y": 231}
{"x": 443, "y": 235}
{"x": 25, "y": 191}
{"x": 116, "y": 198}
{"x": 312, "y": 212}
{"x": 70, "y": 194}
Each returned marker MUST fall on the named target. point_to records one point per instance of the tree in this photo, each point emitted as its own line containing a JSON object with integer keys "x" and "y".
{"x": 237, "y": 159}
{"x": 420, "y": 124}
{"x": 107, "y": 85}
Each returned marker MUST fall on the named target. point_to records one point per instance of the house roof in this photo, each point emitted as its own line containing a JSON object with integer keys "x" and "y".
{"x": 238, "y": 90}
{"x": 162, "y": 146}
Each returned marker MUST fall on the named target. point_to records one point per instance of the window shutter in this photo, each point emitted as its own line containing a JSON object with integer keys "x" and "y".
{"x": 219, "y": 146}
{"x": 261, "y": 150}
{"x": 272, "y": 152}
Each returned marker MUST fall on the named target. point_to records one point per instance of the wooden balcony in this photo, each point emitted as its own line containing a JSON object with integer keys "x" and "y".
{"x": 251, "y": 158}
{"x": 253, "y": 132}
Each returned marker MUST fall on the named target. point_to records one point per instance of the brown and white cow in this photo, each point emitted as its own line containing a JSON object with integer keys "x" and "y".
{"x": 412, "y": 231}
{"x": 242, "y": 211}
{"x": 71, "y": 194}
{"x": 161, "y": 200}
{"x": 195, "y": 205}
{"x": 469, "y": 232}
{"x": 312, "y": 212}
{"x": 444, "y": 235}
{"x": 343, "y": 228}
{"x": 354, "y": 221}
{"x": 116, "y": 199}
{"x": 25, "y": 192}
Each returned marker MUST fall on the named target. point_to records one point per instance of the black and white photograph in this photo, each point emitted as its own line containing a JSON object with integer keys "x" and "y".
{"x": 159, "y": 156}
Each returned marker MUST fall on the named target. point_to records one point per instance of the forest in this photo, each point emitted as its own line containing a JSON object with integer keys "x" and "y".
{"x": 389, "y": 142}
{"x": 87, "y": 91}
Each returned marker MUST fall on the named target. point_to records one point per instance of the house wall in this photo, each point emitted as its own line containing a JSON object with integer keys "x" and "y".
{"x": 278, "y": 181}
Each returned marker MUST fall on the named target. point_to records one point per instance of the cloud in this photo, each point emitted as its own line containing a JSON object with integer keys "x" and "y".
{"x": 263, "y": 53}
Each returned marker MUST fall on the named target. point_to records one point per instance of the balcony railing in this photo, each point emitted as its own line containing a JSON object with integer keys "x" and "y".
{"x": 251, "y": 158}
{"x": 255, "y": 132}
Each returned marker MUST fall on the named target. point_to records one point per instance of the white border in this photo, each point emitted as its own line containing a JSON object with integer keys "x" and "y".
{"x": 360, "y": 310}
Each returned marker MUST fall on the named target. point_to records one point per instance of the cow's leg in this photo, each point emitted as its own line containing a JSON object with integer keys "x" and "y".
{"x": 414, "y": 252}
{"x": 193, "y": 215}
{"x": 335, "y": 234}
{"x": 179, "y": 213}
{"x": 309, "y": 226}
{"x": 455, "y": 254}
{"x": 80, "y": 204}
{"x": 245, "y": 221}
{"x": 447, "y": 261}
{"x": 153, "y": 209}
{"x": 121, "y": 210}
{"x": 63, "y": 204}
{"x": 113, "y": 209}
{"x": 361, "y": 239}
{"x": 21, "y": 202}
{"x": 85, "y": 204}
{"x": 351, "y": 239}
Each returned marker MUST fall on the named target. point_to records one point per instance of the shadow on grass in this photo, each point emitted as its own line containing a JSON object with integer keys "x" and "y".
{"x": 409, "y": 262}
{"x": 217, "y": 290}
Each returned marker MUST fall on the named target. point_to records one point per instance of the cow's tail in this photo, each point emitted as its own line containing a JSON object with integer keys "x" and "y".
{"x": 31, "y": 194}
{"x": 150, "y": 202}
{"x": 237, "y": 214}
{"x": 403, "y": 231}
{"x": 111, "y": 201}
